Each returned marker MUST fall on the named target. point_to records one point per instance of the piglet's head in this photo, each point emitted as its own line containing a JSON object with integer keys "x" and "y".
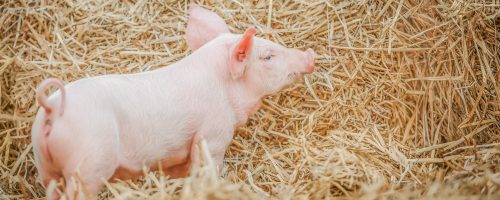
{"x": 267, "y": 66}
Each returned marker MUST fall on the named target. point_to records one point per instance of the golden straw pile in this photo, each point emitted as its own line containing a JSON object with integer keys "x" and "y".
{"x": 405, "y": 102}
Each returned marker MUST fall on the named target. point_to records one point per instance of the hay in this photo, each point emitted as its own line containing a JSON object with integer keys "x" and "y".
{"x": 405, "y": 103}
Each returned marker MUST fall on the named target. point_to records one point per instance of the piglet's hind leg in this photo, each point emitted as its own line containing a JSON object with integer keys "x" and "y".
{"x": 96, "y": 167}
{"x": 89, "y": 181}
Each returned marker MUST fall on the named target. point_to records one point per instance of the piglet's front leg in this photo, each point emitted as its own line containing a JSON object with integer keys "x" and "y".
{"x": 202, "y": 153}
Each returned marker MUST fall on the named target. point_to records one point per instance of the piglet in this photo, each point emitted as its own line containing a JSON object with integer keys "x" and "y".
{"x": 109, "y": 127}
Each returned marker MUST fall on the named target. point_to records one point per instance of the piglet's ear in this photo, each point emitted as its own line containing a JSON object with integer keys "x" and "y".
{"x": 241, "y": 53}
{"x": 203, "y": 26}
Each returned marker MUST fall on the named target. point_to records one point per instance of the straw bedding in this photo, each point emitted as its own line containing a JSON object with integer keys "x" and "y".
{"x": 404, "y": 103}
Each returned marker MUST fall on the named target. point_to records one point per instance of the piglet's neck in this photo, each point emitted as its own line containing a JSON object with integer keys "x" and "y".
{"x": 245, "y": 99}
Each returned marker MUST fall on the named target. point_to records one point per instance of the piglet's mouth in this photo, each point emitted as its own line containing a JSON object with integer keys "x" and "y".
{"x": 295, "y": 76}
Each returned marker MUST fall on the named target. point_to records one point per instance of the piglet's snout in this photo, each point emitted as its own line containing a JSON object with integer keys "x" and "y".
{"x": 309, "y": 57}
{"x": 304, "y": 60}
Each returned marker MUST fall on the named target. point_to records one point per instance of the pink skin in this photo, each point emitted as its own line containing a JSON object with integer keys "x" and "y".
{"x": 113, "y": 125}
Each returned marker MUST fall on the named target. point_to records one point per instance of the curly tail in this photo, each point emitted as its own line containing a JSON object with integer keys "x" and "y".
{"x": 42, "y": 98}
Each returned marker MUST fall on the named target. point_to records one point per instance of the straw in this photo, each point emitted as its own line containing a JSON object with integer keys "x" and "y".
{"x": 404, "y": 103}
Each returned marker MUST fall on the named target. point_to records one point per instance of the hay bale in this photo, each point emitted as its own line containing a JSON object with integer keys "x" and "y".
{"x": 405, "y": 103}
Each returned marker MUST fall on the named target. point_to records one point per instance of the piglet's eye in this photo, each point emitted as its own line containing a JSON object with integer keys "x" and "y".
{"x": 268, "y": 57}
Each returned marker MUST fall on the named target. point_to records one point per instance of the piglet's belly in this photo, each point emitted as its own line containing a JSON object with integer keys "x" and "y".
{"x": 175, "y": 165}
